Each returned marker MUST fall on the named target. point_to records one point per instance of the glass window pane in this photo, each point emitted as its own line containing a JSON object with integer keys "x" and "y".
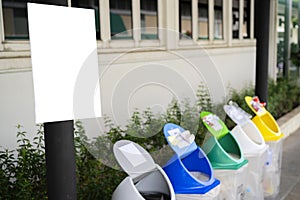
{"x": 15, "y": 17}
{"x": 246, "y": 23}
{"x": 203, "y": 32}
{"x": 185, "y": 19}
{"x": 93, "y": 4}
{"x": 235, "y": 18}
{"x": 149, "y": 24}
{"x": 218, "y": 15}
{"x": 120, "y": 19}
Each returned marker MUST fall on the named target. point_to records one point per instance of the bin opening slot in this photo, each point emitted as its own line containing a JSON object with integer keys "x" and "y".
{"x": 198, "y": 165}
{"x": 270, "y": 122}
{"x": 155, "y": 196}
{"x": 153, "y": 185}
{"x": 200, "y": 176}
{"x": 253, "y": 133}
{"x": 230, "y": 146}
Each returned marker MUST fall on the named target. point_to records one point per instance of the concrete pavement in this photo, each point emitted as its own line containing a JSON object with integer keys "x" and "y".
{"x": 290, "y": 171}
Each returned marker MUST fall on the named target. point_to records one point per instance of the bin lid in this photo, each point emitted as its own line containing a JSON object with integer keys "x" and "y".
{"x": 256, "y": 106}
{"x": 214, "y": 124}
{"x": 180, "y": 140}
{"x": 238, "y": 115}
{"x": 133, "y": 158}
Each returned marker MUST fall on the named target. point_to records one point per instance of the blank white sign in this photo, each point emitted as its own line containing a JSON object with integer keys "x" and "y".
{"x": 64, "y": 63}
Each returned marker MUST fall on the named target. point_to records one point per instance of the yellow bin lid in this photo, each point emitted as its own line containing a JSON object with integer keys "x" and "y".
{"x": 264, "y": 121}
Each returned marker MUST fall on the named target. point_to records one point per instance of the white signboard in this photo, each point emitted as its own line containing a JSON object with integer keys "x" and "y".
{"x": 64, "y": 63}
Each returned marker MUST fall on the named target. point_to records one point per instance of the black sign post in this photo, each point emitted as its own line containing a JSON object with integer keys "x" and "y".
{"x": 60, "y": 160}
{"x": 262, "y": 23}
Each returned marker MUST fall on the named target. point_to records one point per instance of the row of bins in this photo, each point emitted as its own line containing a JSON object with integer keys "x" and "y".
{"x": 243, "y": 163}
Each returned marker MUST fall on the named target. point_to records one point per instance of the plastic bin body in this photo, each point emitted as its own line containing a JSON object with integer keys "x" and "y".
{"x": 146, "y": 180}
{"x": 273, "y": 137}
{"x": 255, "y": 151}
{"x": 229, "y": 165}
{"x": 271, "y": 179}
{"x": 232, "y": 183}
{"x": 189, "y": 170}
{"x": 254, "y": 148}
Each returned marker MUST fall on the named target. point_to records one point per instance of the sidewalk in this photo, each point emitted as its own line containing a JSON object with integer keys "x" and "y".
{"x": 290, "y": 172}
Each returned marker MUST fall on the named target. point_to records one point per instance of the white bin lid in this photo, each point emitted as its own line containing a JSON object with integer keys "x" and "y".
{"x": 133, "y": 158}
{"x": 238, "y": 115}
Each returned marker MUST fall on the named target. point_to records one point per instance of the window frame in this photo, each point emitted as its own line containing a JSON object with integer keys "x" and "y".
{"x": 168, "y": 19}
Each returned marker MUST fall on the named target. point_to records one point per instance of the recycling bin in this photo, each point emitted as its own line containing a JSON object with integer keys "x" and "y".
{"x": 272, "y": 135}
{"x": 189, "y": 170}
{"x": 254, "y": 148}
{"x": 146, "y": 180}
{"x": 226, "y": 157}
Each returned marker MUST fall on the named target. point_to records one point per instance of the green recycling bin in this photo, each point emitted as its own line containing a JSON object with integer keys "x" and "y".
{"x": 226, "y": 157}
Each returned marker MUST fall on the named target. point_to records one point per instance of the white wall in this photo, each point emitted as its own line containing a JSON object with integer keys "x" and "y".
{"x": 136, "y": 80}
{"x": 16, "y": 106}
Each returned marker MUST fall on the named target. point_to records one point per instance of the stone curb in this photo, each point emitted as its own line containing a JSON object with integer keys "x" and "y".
{"x": 290, "y": 122}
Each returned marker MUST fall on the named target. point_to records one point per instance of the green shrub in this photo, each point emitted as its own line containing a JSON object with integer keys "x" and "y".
{"x": 23, "y": 171}
{"x": 283, "y": 96}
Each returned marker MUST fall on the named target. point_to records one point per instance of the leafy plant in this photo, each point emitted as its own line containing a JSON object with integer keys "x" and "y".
{"x": 23, "y": 171}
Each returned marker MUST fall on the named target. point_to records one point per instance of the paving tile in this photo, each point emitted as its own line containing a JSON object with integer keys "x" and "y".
{"x": 290, "y": 169}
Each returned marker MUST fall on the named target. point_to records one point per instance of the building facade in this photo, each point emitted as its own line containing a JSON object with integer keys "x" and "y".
{"x": 143, "y": 46}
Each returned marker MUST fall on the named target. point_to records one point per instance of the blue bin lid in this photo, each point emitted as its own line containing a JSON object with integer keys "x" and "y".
{"x": 181, "y": 141}
{"x": 238, "y": 115}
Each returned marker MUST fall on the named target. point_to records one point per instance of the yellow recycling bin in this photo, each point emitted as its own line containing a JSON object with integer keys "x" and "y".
{"x": 272, "y": 135}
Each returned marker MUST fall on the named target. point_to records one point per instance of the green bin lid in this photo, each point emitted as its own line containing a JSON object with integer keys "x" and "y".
{"x": 214, "y": 124}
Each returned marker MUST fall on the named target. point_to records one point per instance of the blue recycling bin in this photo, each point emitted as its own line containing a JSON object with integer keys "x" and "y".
{"x": 189, "y": 170}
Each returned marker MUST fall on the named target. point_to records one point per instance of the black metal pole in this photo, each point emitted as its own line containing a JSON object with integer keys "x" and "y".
{"x": 60, "y": 160}
{"x": 299, "y": 25}
{"x": 262, "y": 22}
{"x": 287, "y": 32}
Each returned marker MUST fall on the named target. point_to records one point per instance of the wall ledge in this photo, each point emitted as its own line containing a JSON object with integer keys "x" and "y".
{"x": 290, "y": 122}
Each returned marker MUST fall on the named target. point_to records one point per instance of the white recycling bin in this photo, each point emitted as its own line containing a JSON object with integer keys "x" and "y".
{"x": 254, "y": 147}
{"x": 146, "y": 180}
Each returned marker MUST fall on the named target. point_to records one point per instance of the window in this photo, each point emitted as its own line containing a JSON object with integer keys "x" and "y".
{"x": 121, "y": 19}
{"x": 203, "y": 22}
{"x": 218, "y": 19}
{"x": 137, "y": 22}
{"x": 149, "y": 19}
{"x": 15, "y": 19}
{"x": 246, "y": 23}
{"x": 235, "y": 18}
{"x": 185, "y": 18}
{"x": 93, "y": 4}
